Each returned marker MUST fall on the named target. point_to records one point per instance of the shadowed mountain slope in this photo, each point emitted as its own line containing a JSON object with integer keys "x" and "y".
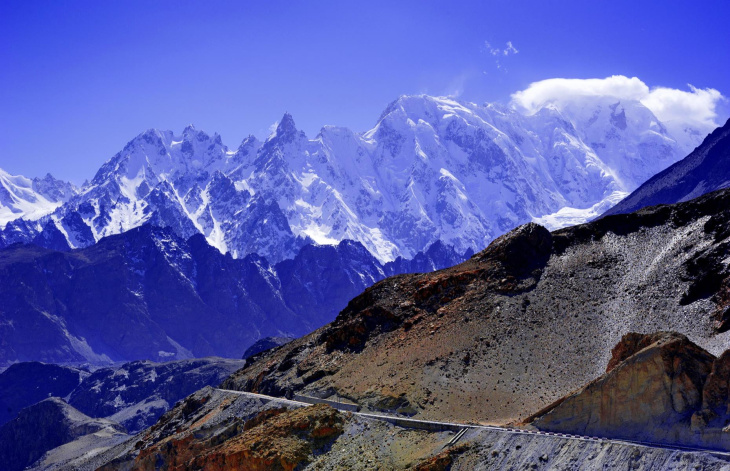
{"x": 706, "y": 169}
{"x": 42, "y": 427}
{"x": 148, "y": 294}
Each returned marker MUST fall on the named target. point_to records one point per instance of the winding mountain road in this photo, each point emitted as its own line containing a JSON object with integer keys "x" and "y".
{"x": 461, "y": 429}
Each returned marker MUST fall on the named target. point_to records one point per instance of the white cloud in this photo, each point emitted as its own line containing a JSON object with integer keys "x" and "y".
{"x": 510, "y": 49}
{"x": 669, "y": 104}
{"x": 495, "y": 51}
{"x": 696, "y": 106}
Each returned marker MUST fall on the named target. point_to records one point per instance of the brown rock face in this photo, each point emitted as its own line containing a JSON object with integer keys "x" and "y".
{"x": 632, "y": 343}
{"x": 275, "y": 439}
{"x": 658, "y": 387}
{"x": 715, "y": 412}
{"x": 716, "y": 395}
{"x": 443, "y": 461}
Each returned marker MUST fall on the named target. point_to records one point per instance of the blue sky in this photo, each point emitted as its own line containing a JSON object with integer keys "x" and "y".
{"x": 78, "y": 79}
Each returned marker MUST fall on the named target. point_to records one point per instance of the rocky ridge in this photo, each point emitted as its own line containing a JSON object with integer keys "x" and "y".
{"x": 133, "y": 394}
{"x": 136, "y": 394}
{"x": 22, "y": 197}
{"x": 479, "y": 341}
{"x": 24, "y": 384}
{"x": 44, "y": 426}
{"x": 164, "y": 298}
{"x": 265, "y": 344}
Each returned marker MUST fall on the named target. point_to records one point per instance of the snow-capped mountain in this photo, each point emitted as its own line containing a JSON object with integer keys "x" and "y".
{"x": 431, "y": 169}
{"x": 704, "y": 170}
{"x": 31, "y": 198}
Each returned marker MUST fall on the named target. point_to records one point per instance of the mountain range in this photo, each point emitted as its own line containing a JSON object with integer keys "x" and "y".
{"x": 431, "y": 169}
{"x": 521, "y": 334}
{"x": 149, "y": 294}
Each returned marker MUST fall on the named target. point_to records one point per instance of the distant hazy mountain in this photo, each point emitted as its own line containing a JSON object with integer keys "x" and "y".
{"x": 24, "y": 384}
{"x": 431, "y": 169}
{"x": 706, "y": 169}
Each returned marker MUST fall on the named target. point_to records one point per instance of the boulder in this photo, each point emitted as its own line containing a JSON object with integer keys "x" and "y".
{"x": 653, "y": 386}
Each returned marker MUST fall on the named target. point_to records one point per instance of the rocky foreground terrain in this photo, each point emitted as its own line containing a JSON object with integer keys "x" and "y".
{"x": 519, "y": 325}
{"x": 217, "y": 430}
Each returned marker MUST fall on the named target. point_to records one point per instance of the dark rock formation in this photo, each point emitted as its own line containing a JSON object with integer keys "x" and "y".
{"x": 44, "y": 426}
{"x": 24, "y": 384}
{"x": 265, "y": 344}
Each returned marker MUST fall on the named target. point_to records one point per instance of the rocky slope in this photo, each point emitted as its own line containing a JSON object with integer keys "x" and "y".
{"x": 24, "y": 384}
{"x": 136, "y": 394}
{"x": 162, "y": 297}
{"x": 706, "y": 169}
{"x": 431, "y": 169}
{"x": 217, "y": 430}
{"x": 44, "y": 426}
{"x": 519, "y": 325}
{"x": 265, "y": 344}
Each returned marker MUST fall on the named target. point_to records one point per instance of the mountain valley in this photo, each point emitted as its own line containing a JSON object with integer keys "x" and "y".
{"x": 180, "y": 249}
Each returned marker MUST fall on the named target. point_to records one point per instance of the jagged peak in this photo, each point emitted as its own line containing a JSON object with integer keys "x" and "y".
{"x": 47, "y": 177}
{"x": 191, "y": 133}
{"x": 286, "y": 131}
{"x": 218, "y": 178}
{"x": 286, "y": 123}
{"x": 249, "y": 141}
{"x": 425, "y": 107}
{"x": 150, "y": 132}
